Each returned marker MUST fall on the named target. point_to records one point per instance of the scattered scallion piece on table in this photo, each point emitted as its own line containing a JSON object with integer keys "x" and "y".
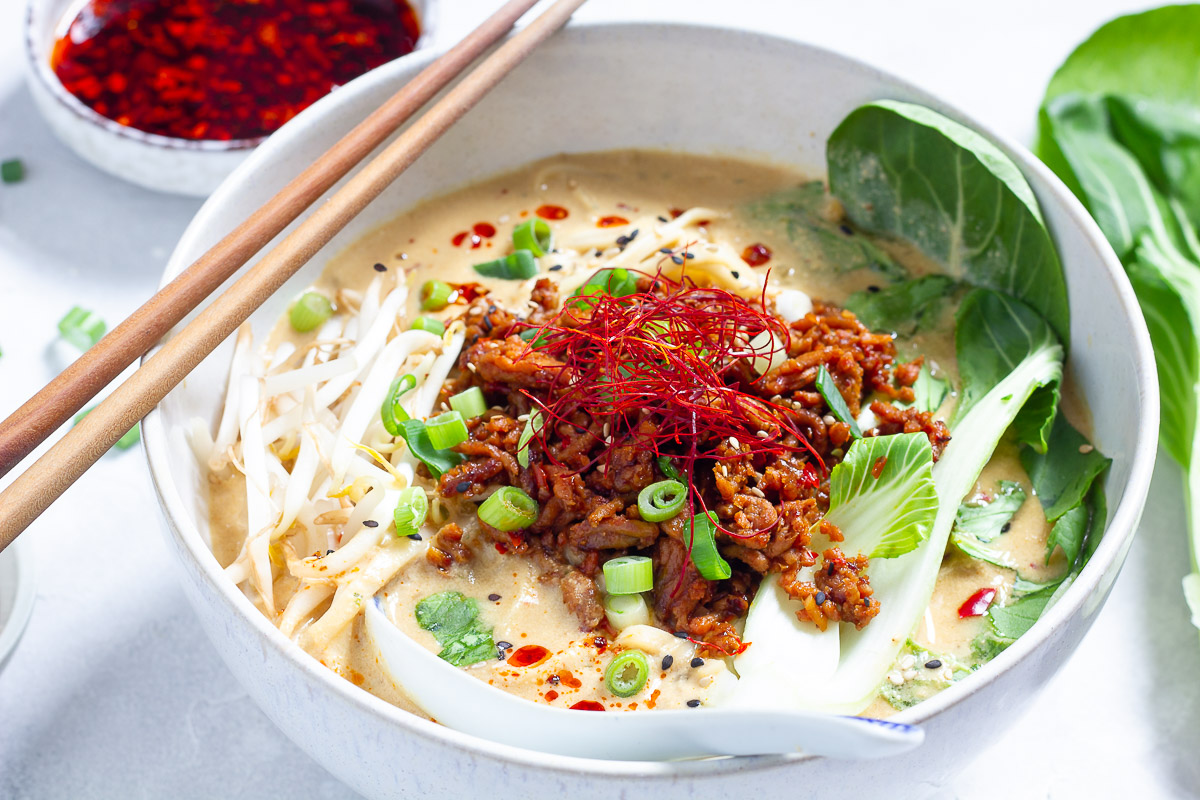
{"x": 627, "y": 673}
{"x": 835, "y": 401}
{"x": 81, "y": 327}
{"x": 703, "y": 546}
{"x": 12, "y": 170}
{"x": 661, "y": 501}
{"x": 131, "y": 437}
{"x": 411, "y": 511}
{"x": 509, "y": 509}
{"x": 628, "y": 575}
{"x": 430, "y": 325}
{"x": 446, "y": 430}
{"x": 470, "y": 403}
{"x": 390, "y": 412}
{"x": 435, "y": 295}
{"x": 535, "y": 236}
{"x": 310, "y": 311}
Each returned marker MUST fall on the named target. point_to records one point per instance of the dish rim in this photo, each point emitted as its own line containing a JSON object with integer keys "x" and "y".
{"x": 1124, "y": 516}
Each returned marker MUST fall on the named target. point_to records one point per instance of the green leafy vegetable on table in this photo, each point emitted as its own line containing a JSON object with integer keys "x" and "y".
{"x": 1120, "y": 124}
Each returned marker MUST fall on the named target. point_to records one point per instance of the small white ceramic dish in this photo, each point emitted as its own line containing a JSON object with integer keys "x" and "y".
{"x": 703, "y": 90}
{"x": 16, "y": 596}
{"x": 168, "y": 164}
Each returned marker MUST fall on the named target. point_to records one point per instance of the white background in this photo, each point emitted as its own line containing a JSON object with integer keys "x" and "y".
{"x": 115, "y": 692}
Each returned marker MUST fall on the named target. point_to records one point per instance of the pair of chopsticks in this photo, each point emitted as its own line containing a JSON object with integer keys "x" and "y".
{"x": 34, "y": 490}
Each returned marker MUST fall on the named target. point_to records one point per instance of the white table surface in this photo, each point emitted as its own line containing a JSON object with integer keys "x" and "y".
{"x": 115, "y": 691}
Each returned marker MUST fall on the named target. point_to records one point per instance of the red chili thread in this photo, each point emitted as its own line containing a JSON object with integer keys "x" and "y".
{"x": 223, "y": 69}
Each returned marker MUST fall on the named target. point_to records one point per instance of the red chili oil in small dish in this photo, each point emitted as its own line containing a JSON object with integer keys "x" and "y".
{"x": 223, "y": 69}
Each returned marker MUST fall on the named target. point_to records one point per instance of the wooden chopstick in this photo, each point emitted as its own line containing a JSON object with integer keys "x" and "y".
{"x": 35, "y": 489}
{"x": 42, "y": 414}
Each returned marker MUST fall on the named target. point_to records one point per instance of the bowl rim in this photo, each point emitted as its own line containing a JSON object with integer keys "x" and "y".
{"x": 12, "y": 627}
{"x": 1122, "y": 524}
{"x": 39, "y": 69}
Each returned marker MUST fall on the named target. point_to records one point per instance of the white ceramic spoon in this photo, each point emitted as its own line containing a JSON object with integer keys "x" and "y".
{"x": 461, "y": 702}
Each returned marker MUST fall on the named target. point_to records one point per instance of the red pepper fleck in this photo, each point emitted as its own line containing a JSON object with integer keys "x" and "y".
{"x": 550, "y": 212}
{"x": 587, "y": 705}
{"x": 977, "y": 604}
{"x": 458, "y": 238}
{"x": 756, "y": 255}
{"x": 501, "y": 548}
{"x": 611, "y": 222}
{"x": 551, "y": 696}
{"x": 484, "y": 229}
{"x": 675, "y": 212}
{"x": 223, "y": 69}
{"x": 528, "y": 656}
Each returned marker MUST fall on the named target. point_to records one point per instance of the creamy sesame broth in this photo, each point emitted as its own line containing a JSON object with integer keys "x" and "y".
{"x": 593, "y": 202}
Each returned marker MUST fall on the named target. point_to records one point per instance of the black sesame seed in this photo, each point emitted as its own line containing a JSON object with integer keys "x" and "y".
{"x": 327, "y": 552}
{"x": 553, "y": 680}
{"x": 493, "y": 597}
{"x": 829, "y": 569}
{"x": 462, "y": 486}
{"x": 872, "y": 288}
{"x": 371, "y": 523}
{"x": 1006, "y": 528}
{"x": 599, "y": 252}
{"x": 681, "y": 634}
{"x": 820, "y": 598}
{"x": 934, "y": 664}
{"x": 380, "y": 268}
{"x": 666, "y": 250}
{"x": 416, "y": 537}
{"x": 846, "y": 229}
{"x": 663, "y": 219}
{"x": 556, "y": 268}
{"x": 734, "y": 273}
{"x": 667, "y": 662}
{"x": 486, "y": 324}
{"x": 503, "y": 645}
{"x": 866, "y": 601}
{"x": 689, "y": 255}
{"x": 632, "y": 234}
{"x": 677, "y": 259}
{"x": 622, "y": 240}
{"x": 697, "y": 662}
{"x": 693, "y": 703}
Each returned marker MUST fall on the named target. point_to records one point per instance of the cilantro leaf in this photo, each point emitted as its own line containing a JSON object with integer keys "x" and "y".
{"x": 453, "y": 619}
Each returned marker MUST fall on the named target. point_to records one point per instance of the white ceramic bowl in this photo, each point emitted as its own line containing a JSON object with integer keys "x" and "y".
{"x": 16, "y": 596}
{"x": 168, "y": 164}
{"x": 703, "y": 90}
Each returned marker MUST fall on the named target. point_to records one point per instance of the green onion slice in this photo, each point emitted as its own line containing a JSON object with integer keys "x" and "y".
{"x": 469, "y": 403}
{"x": 435, "y": 295}
{"x": 514, "y": 267}
{"x": 703, "y": 545}
{"x": 535, "y": 236}
{"x": 624, "y": 610}
{"x": 661, "y": 501}
{"x": 81, "y": 327}
{"x": 509, "y": 509}
{"x": 533, "y": 425}
{"x": 627, "y": 673}
{"x": 310, "y": 311}
{"x": 835, "y": 401}
{"x": 628, "y": 575}
{"x": 430, "y": 325}
{"x": 411, "y": 511}
{"x": 446, "y": 430}
{"x": 131, "y": 437}
{"x": 667, "y": 467}
{"x": 617, "y": 282}
{"x": 391, "y": 412}
{"x": 417, "y": 438}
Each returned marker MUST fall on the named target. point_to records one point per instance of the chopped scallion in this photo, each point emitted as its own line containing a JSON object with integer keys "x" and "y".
{"x": 625, "y": 610}
{"x": 835, "y": 401}
{"x": 667, "y": 467}
{"x": 469, "y": 403}
{"x": 627, "y": 673}
{"x": 435, "y": 295}
{"x": 509, "y": 509}
{"x": 661, "y": 501}
{"x": 703, "y": 546}
{"x": 617, "y": 282}
{"x": 131, "y": 437}
{"x": 391, "y": 412}
{"x": 417, "y": 438}
{"x": 12, "y": 170}
{"x": 411, "y": 511}
{"x": 446, "y": 430}
{"x": 533, "y": 425}
{"x": 429, "y": 324}
{"x": 628, "y": 575}
{"x": 514, "y": 267}
{"x": 535, "y": 236}
{"x": 310, "y": 311}
{"x": 81, "y": 327}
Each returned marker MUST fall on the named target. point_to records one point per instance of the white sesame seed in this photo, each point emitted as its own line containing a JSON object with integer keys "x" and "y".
{"x": 909, "y": 674}
{"x": 757, "y": 492}
{"x": 907, "y": 661}
{"x": 606, "y": 430}
{"x": 601, "y": 468}
{"x": 724, "y": 470}
{"x": 829, "y": 419}
{"x": 470, "y": 366}
{"x": 762, "y": 434}
{"x": 947, "y": 674}
{"x": 734, "y": 443}
{"x": 503, "y": 218}
{"x": 712, "y": 248}
{"x": 1086, "y": 448}
{"x": 896, "y": 678}
{"x": 523, "y": 418}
